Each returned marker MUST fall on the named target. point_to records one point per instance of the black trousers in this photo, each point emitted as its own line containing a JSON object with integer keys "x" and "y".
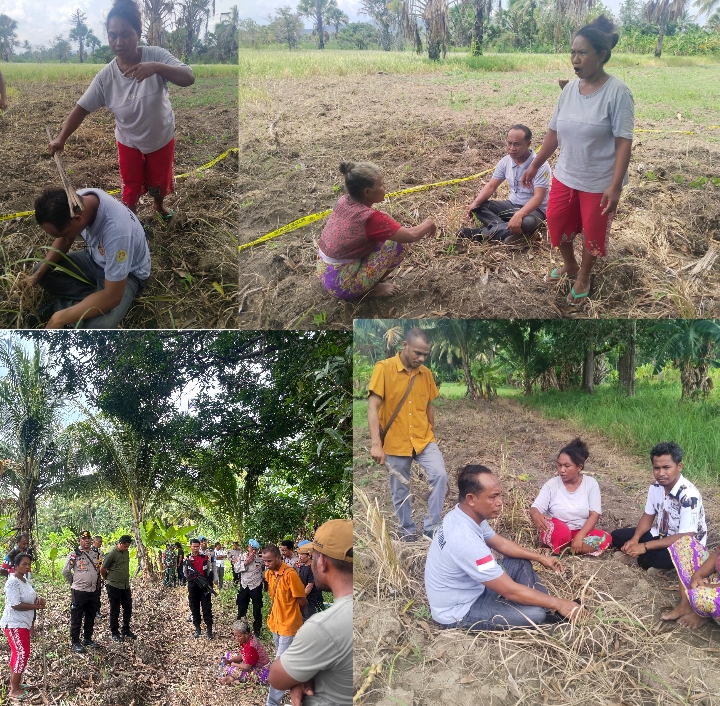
{"x": 119, "y": 597}
{"x": 236, "y": 577}
{"x": 84, "y": 605}
{"x": 244, "y": 596}
{"x": 494, "y": 216}
{"x": 657, "y": 558}
{"x": 198, "y": 598}
{"x": 98, "y": 597}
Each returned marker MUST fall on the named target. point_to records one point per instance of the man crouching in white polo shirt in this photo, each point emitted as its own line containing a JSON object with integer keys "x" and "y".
{"x": 466, "y": 587}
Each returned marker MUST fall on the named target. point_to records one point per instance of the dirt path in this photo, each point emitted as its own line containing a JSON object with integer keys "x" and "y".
{"x": 165, "y": 666}
{"x": 424, "y": 129}
{"x": 451, "y": 668}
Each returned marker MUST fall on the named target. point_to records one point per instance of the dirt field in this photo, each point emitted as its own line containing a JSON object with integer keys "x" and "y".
{"x": 165, "y": 666}
{"x": 427, "y": 128}
{"x": 628, "y": 658}
{"x": 196, "y": 249}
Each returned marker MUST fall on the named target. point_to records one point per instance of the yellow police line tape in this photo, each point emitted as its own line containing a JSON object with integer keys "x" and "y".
{"x": 305, "y": 220}
{"x": 211, "y": 163}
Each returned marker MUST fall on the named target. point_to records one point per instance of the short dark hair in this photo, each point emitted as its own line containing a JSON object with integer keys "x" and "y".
{"x": 125, "y": 539}
{"x": 195, "y": 540}
{"x": 288, "y": 543}
{"x": 578, "y": 451}
{"x": 129, "y": 11}
{"x": 600, "y": 35}
{"x": 468, "y": 481}
{"x": 526, "y": 130}
{"x": 52, "y": 207}
{"x": 667, "y": 448}
{"x": 359, "y": 176}
{"x": 414, "y": 333}
{"x": 271, "y": 549}
{"x": 343, "y": 567}
{"x": 19, "y": 557}
{"x": 97, "y": 536}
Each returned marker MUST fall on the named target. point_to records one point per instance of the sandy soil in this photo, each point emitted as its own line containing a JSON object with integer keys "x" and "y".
{"x": 423, "y": 129}
{"x": 650, "y": 659}
{"x": 196, "y": 249}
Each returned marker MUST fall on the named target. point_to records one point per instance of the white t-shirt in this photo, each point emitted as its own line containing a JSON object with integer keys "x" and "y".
{"x": 586, "y": 130}
{"x": 680, "y": 511}
{"x": 555, "y": 500}
{"x": 116, "y": 239}
{"x": 458, "y": 563}
{"x": 507, "y": 168}
{"x": 323, "y": 650}
{"x": 144, "y": 118}
{"x": 16, "y": 592}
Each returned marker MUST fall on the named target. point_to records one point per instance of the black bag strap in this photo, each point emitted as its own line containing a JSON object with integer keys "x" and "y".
{"x": 384, "y": 431}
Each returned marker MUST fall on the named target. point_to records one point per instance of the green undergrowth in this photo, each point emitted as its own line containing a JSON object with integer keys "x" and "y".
{"x": 57, "y": 72}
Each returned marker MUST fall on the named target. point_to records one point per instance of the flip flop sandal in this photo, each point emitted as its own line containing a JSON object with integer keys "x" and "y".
{"x": 573, "y": 298}
{"x": 165, "y": 217}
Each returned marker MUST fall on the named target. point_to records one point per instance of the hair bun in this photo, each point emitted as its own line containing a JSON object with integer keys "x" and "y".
{"x": 614, "y": 39}
{"x": 346, "y": 167}
{"x": 604, "y": 25}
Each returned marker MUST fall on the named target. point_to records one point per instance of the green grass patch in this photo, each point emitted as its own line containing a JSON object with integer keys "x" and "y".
{"x": 637, "y": 424}
{"x": 80, "y": 72}
{"x": 360, "y": 414}
{"x": 207, "y": 91}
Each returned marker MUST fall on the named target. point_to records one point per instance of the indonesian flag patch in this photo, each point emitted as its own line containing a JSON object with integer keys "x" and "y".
{"x": 485, "y": 563}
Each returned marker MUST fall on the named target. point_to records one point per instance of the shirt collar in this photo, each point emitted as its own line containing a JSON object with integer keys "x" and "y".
{"x": 526, "y": 163}
{"x": 399, "y": 364}
{"x": 676, "y": 488}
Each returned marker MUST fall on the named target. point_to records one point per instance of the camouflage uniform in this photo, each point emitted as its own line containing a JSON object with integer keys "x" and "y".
{"x": 170, "y": 566}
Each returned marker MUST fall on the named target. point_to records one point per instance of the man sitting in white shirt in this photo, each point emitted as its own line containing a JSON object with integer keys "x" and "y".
{"x": 515, "y": 220}
{"x": 466, "y": 587}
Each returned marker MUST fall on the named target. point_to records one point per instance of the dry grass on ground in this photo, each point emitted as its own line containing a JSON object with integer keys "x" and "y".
{"x": 622, "y": 655}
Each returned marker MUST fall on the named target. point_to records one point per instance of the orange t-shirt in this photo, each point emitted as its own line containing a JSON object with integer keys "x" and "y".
{"x": 285, "y": 617}
{"x": 411, "y": 428}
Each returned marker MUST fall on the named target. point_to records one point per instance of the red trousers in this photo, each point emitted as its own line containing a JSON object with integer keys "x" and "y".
{"x": 145, "y": 173}
{"x": 19, "y": 640}
{"x": 560, "y": 535}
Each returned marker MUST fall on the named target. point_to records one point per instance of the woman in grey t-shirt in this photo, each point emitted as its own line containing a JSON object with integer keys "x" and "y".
{"x": 593, "y": 126}
{"x": 134, "y": 88}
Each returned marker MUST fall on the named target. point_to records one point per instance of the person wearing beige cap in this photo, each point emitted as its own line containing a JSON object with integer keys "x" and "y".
{"x": 317, "y": 667}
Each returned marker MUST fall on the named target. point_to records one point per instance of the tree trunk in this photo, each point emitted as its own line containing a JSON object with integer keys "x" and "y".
{"x": 527, "y": 383}
{"x": 695, "y": 380}
{"x": 588, "y": 383}
{"x": 661, "y": 35}
{"x": 476, "y": 43}
{"x": 469, "y": 382}
{"x": 318, "y": 17}
{"x": 145, "y": 563}
{"x": 626, "y": 364}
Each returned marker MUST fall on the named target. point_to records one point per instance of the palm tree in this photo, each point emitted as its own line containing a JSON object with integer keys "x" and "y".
{"x": 694, "y": 346}
{"x": 79, "y": 32}
{"x": 32, "y": 442}
{"x": 8, "y": 37}
{"x": 461, "y": 338}
{"x": 435, "y": 16}
{"x": 706, "y": 7}
{"x": 662, "y": 12}
{"x": 155, "y": 15}
{"x": 336, "y": 17}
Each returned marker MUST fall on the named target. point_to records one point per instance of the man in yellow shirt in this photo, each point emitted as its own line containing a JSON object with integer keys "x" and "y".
{"x": 411, "y": 433}
{"x": 287, "y": 594}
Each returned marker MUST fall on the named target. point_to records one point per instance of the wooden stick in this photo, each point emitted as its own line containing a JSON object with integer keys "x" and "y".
{"x": 73, "y": 200}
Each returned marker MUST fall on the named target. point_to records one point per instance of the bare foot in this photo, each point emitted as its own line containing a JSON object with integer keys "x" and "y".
{"x": 569, "y": 271}
{"x": 675, "y": 613}
{"x": 383, "y": 289}
{"x": 692, "y": 620}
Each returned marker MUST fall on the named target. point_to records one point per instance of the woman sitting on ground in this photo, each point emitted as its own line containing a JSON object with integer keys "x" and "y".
{"x": 699, "y": 573}
{"x": 568, "y": 506}
{"x": 251, "y": 664}
{"x": 360, "y": 246}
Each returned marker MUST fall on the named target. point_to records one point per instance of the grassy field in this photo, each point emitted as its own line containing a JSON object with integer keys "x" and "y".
{"x": 635, "y": 424}
{"x": 69, "y": 72}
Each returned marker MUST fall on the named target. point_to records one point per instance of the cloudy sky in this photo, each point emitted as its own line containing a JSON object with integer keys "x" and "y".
{"x": 40, "y": 20}
{"x": 258, "y": 10}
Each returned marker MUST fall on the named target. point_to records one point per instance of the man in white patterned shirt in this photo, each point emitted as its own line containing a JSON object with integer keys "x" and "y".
{"x": 251, "y": 569}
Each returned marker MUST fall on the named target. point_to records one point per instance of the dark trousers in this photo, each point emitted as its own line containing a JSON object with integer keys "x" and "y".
{"x": 181, "y": 577}
{"x": 83, "y": 605}
{"x": 494, "y": 216}
{"x": 236, "y": 577}
{"x": 657, "y": 558}
{"x": 119, "y": 597}
{"x": 197, "y": 598}
{"x": 308, "y": 610}
{"x": 98, "y": 597}
{"x": 244, "y": 596}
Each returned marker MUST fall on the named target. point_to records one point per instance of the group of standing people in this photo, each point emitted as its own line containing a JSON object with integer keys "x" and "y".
{"x": 465, "y": 585}
{"x": 592, "y": 125}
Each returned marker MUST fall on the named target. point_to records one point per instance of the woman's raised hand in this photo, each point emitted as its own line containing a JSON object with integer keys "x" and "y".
{"x": 430, "y": 225}
{"x": 56, "y": 145}
{"x": 541, "y": 522}
{"x": 529, "y": 175}
{"x": 141, "y": 71}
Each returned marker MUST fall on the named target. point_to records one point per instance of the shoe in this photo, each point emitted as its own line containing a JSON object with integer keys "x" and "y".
{"x": 189, "y": 620}
{"x": 516, "y": 239}
{"x": 91, "y": 643}
{"x": 408, "y": 538}
{"x": 77, "y": 647}
{"x": 117, "y": 637}
{"x": 429, "y": 533}
{"x": 209, "y": 634}
{"x": 472, "y": 233}
{"x": 197, "y": 633}
{"x": 129, "y": 635}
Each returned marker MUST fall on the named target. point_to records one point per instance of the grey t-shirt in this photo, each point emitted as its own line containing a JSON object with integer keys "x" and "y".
{"x": 143, "y": 116}
{"x": 322, "y": 650}
{"x": 458, "y": 563}
{"x": 586, "y": 129}
{"x": 116, "y": 240}
{"x": 507, "y": 168}
{"x": 555, "y": 500}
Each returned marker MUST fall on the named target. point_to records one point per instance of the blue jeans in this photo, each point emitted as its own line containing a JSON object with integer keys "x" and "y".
{"x": 493, "y": 612}
{"x": 282, "y": 642}
{"x": 69, "y": 291}
{"x": 432, "y": 461}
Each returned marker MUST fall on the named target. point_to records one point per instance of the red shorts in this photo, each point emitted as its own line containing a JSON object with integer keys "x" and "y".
{"x": 19, "y": 640}
{"x": 560, "y": 535}
{"x": 145, "y": 173}
{"x": 570, "y": 212}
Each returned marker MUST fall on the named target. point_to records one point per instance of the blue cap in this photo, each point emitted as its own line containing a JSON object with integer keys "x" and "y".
{"x": 254, "y": 544}
{"x": 303, "y": 543}
{"x": 202, "y": 538}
